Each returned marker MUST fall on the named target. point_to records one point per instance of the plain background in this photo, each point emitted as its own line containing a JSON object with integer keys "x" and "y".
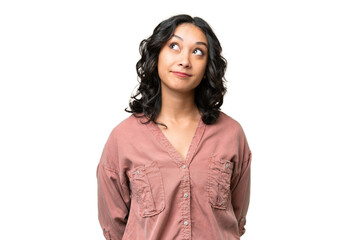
{"x": 67, "y": 71}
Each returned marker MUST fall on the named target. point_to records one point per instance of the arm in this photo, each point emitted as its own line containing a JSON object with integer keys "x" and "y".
{"x": 113, "y": 195}
{"x": 240, "y": 187}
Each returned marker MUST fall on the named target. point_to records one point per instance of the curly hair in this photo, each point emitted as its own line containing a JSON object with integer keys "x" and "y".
{"x": 209, "y": 93}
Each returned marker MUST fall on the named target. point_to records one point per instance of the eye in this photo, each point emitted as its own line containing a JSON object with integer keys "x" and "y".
{"x": 174, "y": 46}
{"x": 198, "y": 52}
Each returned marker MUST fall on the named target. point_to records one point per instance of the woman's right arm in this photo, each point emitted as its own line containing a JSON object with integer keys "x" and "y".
{"x": 113, "y": 194}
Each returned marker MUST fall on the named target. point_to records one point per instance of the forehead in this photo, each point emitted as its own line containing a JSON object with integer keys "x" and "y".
{"x": 190, "y": 32}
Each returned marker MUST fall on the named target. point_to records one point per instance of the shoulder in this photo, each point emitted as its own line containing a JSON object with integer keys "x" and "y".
{"x": 116, "y": 141}
{"x": 126, "y": 127}
{"x": 227, "y": 123}
{"x": 234, "y": 129}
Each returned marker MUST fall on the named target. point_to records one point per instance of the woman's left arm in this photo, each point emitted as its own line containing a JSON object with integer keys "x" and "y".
{"x": 240, "y": 184}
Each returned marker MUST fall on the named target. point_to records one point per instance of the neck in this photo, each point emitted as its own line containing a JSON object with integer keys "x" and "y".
{"x": 177, "y": 106}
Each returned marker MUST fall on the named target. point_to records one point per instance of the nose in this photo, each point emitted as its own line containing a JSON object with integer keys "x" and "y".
{"x": 184, "y": 60}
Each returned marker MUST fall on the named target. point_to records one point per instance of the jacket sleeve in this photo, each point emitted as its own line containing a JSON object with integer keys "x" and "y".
{"x": 240, "y": 190}
{"x": 113, "y": 194}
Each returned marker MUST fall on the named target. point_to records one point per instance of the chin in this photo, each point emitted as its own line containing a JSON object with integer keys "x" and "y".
{"x": 181, "y": 89}
{"x": 181, "y": 86}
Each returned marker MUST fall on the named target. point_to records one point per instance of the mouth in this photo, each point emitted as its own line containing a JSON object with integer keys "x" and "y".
{"x": 182, "y": 75}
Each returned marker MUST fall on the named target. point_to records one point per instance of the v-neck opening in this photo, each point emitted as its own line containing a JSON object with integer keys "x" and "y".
{"x": 170, "y": 148}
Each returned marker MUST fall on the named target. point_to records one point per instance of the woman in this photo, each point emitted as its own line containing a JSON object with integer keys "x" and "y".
{"x": 178, "y": 167}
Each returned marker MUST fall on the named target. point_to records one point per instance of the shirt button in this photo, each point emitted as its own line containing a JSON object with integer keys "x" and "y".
{"x": 186, "y": 195}
{"x": 184, "y": 166}
{"x": 186, "y": 223}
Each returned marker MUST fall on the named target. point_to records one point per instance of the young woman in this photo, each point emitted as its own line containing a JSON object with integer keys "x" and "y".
{"x": 178, "y": 167}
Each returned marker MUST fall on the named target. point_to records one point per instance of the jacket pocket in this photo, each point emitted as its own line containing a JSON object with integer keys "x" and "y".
{"x": 219, "y": 178}
{"x": 147, "y": 186}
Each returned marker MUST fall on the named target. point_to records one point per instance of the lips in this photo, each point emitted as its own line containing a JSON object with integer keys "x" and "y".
{"x": 181, "y": 74}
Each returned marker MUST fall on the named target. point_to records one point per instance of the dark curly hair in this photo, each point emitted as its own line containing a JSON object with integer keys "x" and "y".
{"x": 208, "y": 94}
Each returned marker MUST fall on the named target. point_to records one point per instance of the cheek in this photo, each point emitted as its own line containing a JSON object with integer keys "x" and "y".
{"x": 202, "y": 67}
{"x": 160, "y": 60}
{"x": 163, "y": 61}
{"x": 161, "y": 64}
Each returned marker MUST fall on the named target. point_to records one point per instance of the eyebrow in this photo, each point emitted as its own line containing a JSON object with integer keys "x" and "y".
{"x": 201, "y": 43}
